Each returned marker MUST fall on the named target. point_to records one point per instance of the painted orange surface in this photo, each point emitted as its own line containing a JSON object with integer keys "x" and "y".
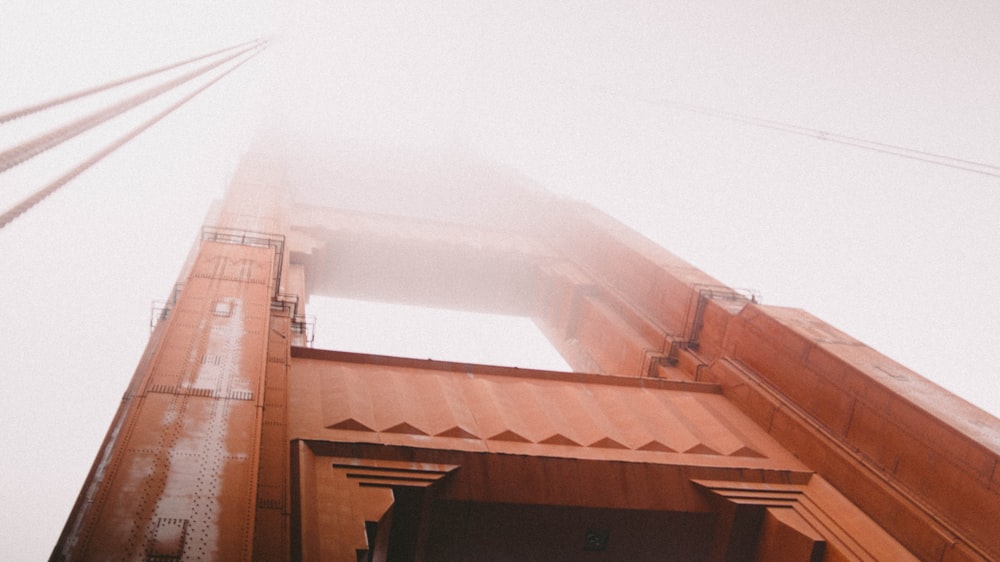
{"x": 178, "y": 470}
{"x": 759, "y": 430}
{"x": 343, "y": 398}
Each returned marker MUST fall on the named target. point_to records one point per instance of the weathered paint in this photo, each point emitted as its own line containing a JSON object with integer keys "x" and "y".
{"x": 180, "y": 474}
{"x": 762, "y": 429}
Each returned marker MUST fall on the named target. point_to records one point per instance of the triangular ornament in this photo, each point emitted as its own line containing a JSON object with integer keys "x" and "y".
{"x": 459, "y": 432}
{"x": 560, "y": 439}
{"x": 608, "y": 443}
{"x": 701, "y": 449}
{"x": 745, "y": 451}
{"x": 350, "y": 424}
{"x": 509, "y": 435}
{"x": 655, "y": 445}
{"x": 404, "y": 428}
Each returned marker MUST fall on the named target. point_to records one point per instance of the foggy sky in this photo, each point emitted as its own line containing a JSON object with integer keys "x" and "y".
{"x": 577, "y": 97}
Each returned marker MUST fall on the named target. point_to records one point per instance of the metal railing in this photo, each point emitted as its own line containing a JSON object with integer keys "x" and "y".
{"x": 249, "y": 238}
{"x": 160, "y": 309}
{"x": 695, "y": 317}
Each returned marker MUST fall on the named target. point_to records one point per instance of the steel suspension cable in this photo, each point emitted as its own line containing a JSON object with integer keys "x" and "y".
{"x": 973, "y": 166}
{"x": 29, "y": 149}
{"x": 17, "y": 210}
{"x": 876, "y": 146}
{"x": 25, "y": 111}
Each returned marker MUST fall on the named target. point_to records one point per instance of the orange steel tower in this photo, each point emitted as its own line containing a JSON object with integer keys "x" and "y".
{"x": 698, "y": 424}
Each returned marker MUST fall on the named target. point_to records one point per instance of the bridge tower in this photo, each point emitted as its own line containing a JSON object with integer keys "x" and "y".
{"x": 697, "y": 424}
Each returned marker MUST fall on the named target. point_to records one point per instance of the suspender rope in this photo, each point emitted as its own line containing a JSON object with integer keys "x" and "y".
{"x": 25, "y": 111}
{"x": 51, "y": 188}
{"x": 29, "y": 149}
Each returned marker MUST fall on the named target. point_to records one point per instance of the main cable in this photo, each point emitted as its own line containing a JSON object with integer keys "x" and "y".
{"x": 25, "y": 111}
{"x": 973, "y": 166}
{"x": 31, "y": 148}
{"x": 17, "y": 210}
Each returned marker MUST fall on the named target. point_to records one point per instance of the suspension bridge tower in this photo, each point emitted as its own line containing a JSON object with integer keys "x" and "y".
{"x": 697, "y": 424}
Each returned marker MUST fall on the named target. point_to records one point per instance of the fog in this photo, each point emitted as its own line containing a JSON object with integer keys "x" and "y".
{"x": 584, "y": 101}
{"x": 580, "y": 100}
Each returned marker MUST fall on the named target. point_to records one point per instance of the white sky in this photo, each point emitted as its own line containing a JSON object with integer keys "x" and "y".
{"x": 900, "y": 254}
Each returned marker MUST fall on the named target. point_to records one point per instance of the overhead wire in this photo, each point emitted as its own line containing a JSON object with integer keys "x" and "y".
{"x": 29, "y": 202}
{"x": 967, "y": 165}
{"x": 31, "y": 148}
{"x": 35, "y": 108}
